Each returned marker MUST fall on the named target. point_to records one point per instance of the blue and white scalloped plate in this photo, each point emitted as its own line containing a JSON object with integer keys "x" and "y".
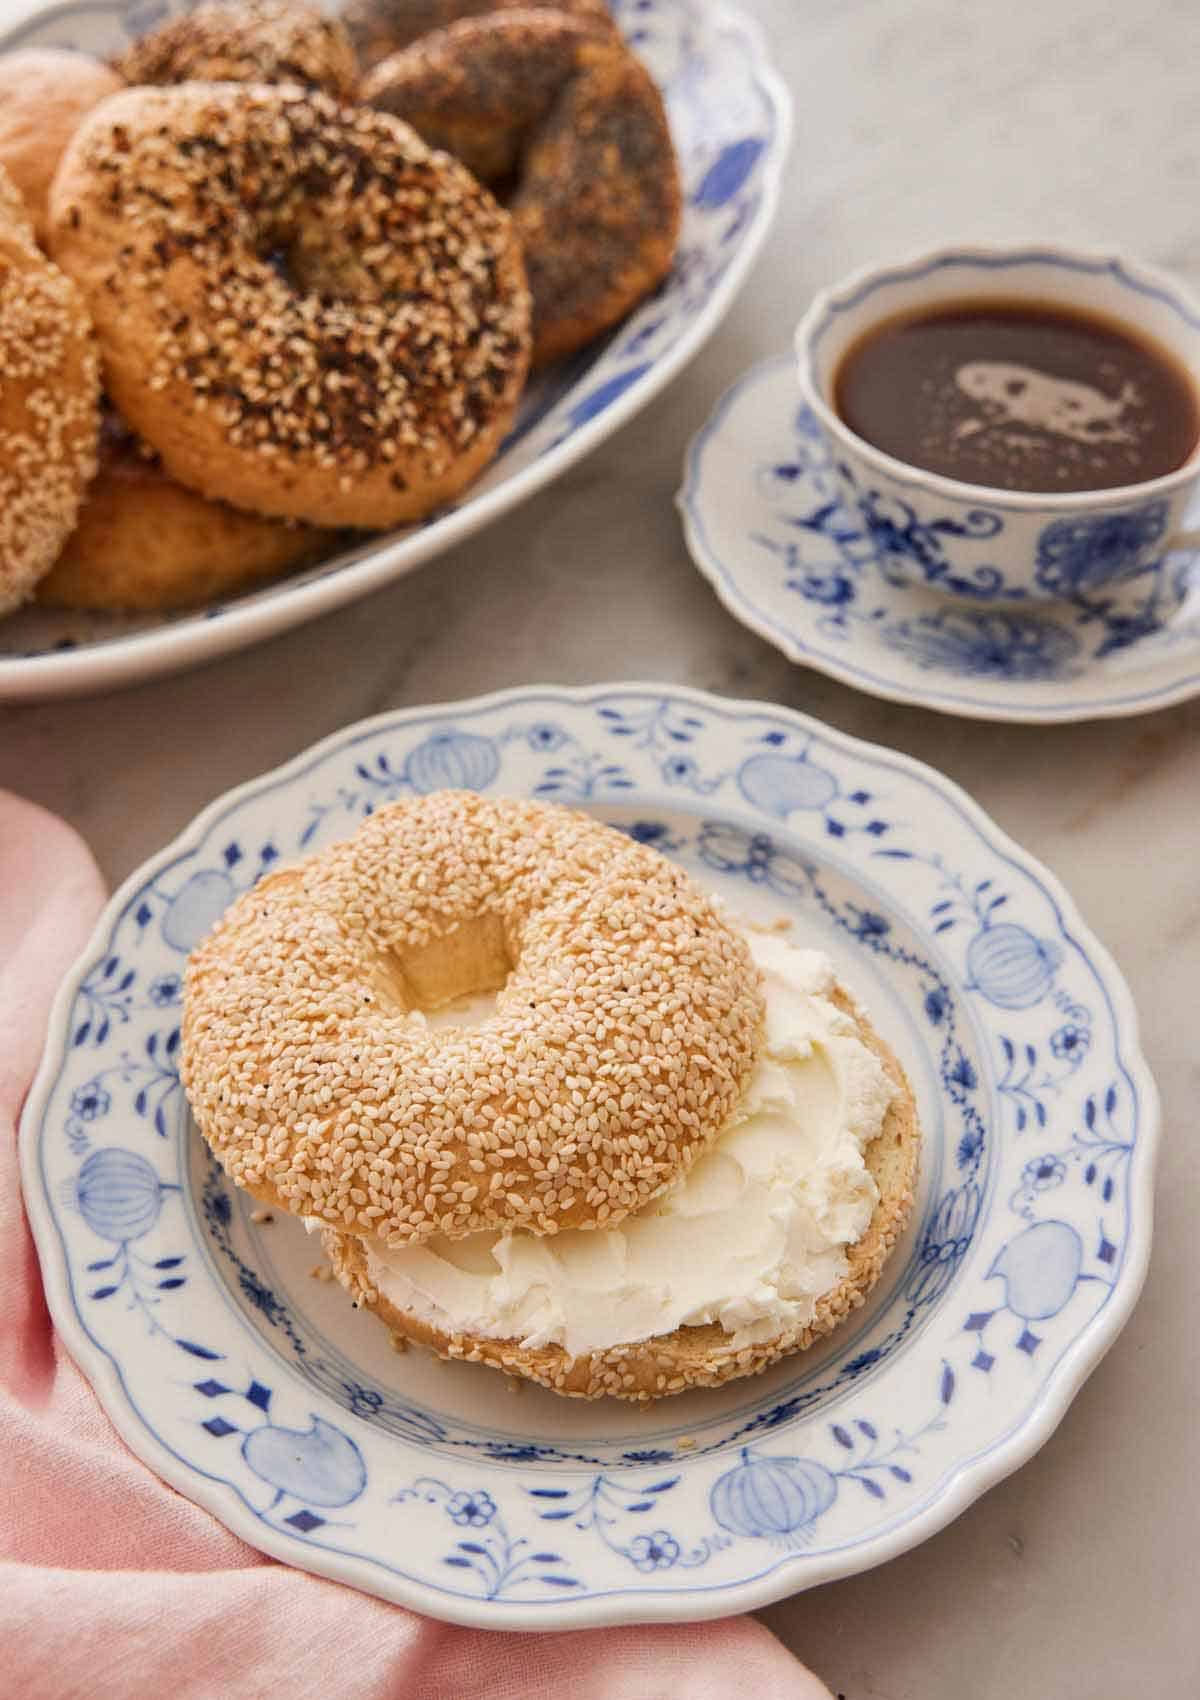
{"x": 730, "y": 118}
{"x": 765, "y": 524}
{"x": 255, "y": 1389}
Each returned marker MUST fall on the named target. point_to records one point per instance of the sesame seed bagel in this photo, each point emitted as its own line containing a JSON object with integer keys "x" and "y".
{"x": 145, "y": 544}
{"x": 574, "y": 123}
{"x": 44, "y": 93}
{"x": 252, "y": 41}
{"x": 380, "y": 27}
{"x": 687, "y": 1357}
{"x": 49, "y": 405}
{"x": 301, "y": 307}
{"x": 628, "y": 1016}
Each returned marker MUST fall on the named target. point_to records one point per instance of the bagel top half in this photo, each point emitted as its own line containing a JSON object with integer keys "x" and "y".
{"x": 628, "y": 1018}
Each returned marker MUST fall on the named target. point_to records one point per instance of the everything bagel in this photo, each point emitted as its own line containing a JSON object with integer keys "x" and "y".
{"x": 302, "y": 308}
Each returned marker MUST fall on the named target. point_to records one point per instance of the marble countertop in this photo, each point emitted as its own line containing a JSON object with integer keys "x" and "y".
{"x": 917, "y": 121}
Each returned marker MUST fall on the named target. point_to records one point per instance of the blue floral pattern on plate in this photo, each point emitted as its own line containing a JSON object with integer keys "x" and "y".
{"x": 256, "y": 1390}
{"x": 862, "y": 594}
{"x": 730, "y": 118}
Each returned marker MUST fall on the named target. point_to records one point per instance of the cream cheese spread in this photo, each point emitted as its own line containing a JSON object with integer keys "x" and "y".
{"x": 750, "y": 1237}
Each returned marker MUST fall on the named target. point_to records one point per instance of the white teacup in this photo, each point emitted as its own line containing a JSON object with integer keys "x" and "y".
{"x": 968, "y": 539}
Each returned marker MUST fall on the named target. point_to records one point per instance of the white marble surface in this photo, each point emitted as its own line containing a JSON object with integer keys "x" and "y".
{"x": 918, "y": 121}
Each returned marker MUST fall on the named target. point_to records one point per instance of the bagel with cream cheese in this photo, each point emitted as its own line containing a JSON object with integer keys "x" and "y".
{"x": 670, "y": 1150}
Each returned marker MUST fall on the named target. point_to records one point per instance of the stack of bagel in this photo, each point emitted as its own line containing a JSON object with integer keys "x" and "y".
{"x": 643, "y": 1163}
{"x": 307, "y": 265}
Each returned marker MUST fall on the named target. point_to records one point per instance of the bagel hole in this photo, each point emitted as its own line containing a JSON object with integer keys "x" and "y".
{"x": 310, "y": 258}
{"x": 453, "y": 980}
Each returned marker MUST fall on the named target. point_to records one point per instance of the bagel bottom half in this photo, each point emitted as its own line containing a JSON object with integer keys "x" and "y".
{"x": 689, "y": 1356}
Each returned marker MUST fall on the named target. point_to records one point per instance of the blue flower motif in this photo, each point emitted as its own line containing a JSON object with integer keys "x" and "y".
{"x": 680, "y": 770}
{"x": 963, "y": 1073}
{"x": 218, "y": 1207}
{"x": 833, "y": 590}
{"x": 545, "y": 737}
{"x": 90, "y": 1101}
{"x": 969, "y": 1147}
{"x": 167, "y": 989}
{"x": 863, "y": 1361}
{"x": 648, "y": 1455}
{"x": 364, "y": 1401}
{"x": 1042, "y": 1173}
{"x": 260, "y": 1296}
{"x": 1070, "y": 1042}
{"x": 1075, "y": 556}
{"x": 870, "y": 925}
{"x": 472, "y": 1509}
{"x": 658, "y": 1551}
{"x": 991, "y": 645}
{"x": 516, "y": 1452}
{"x": 936, "y": 1005}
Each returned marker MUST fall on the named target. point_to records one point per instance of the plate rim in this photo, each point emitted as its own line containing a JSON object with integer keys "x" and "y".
{"x": 964, "y": 1483}
{"x": 142, "y": 656}
{"x": 726, "y": 585}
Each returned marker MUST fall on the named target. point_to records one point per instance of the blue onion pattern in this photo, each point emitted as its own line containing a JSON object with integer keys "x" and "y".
{"x": 655, "y": 1512}
{"x": 845, "y": 555}
{"x": 773, "y": 1498}
{"x": 1040, "y": 1270}
{"x": 1012, "y": 968}
{"x": 458, "y": 761}
{"x": 196, "y": 909}
{"x": 119, "y": 1194}
{"x": 319, "y": 1465}
{"x": 781, "y": 784}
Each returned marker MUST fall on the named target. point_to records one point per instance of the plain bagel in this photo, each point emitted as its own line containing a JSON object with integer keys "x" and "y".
{"x": 628, "y": 1016}
{"x": 144, "y": 544}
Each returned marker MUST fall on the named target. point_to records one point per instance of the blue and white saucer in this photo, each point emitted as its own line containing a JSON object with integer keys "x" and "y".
{"x": 260, "y": 1394}
{"x": 765, "y": 524}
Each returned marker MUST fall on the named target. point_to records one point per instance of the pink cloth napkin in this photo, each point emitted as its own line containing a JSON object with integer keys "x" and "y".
{"x": 113, "y": 1585}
